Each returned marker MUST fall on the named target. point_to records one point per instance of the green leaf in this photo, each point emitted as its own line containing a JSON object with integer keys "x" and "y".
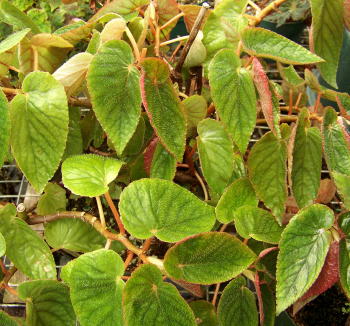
{"x": 327, "y": 35}
{"x": 195, "y": 108}
{"x": 163, "y": 164}
{"x": 161, "y": 102}
{"x": 89, "y": 174}
{"x": 73, "y": 234}
{"x": 269, "y": 305}
{"x": 344, "y": 265}
{"x": 216, "y": 154}
{"x": 303, "y": 250}
{"x": 147, "y": 300}
{"x": 342, "y": 182}
{"x": 155, "y": 207}
{"x": 261, "y": 42}
{"x": 337, "y": 152}
{"x": 40, "y": 18}
{"x": 73, "y": 72}
{"x": 4, "y": 127}
{"x": 257, "y": 223}
{"x": 239, "y": 193}
{"x": 74, "y": 145}
{"x": 237, "y": 305}
{"x": 267, "y": 171}
{"x": 306, "y": 161}
{"x": 344, "y": 223}
{"x": 223, "y": 26}
{"x": 233, "y": 93}
{"x": 95, "y": 42}
{"x": 34, "y": 260}
{"x": 2, "y": 245}
{"x": 208, "y": 258}
{"x": 6, "y": 320}
{"x": 13, "y": 40}
{"x": 113, "y": 83}
{"x": 96, "y": 288}
{"x": 53, "y": 201}
{"x": 47, "y": 303}
{"x": 136, "y": 143}
{"x": 204, "y": 312}
{"x": 41, "y": 114}
{"x": 290, "y": 75}
{"x": 13, "y": 16}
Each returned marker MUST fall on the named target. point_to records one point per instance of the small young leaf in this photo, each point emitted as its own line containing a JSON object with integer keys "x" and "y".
{"x": 53, "y": 201}
{"x": 13, "y": 40}
{"x": 290, "y": 75}
{"x": 154, "y": 207}
{"x": 73, "y": 234}
{"x": 195, "y": 108}
{"x": 4, "y": 127}
{"x": 2, "y": 245}
{"x": 163, "y": 164}
{"x": 261, "y": 42}
{"x": 6, "y": 320}
{"x": 89, "y": 175}
{"x": 147, "y": 300}
{"x": 161, "y": 102}
{"x": 258, "y": 224}
{"x": 234, "y": 97}
{"x": 237, "y": 305}
{"x": 327, "y": 35}
{"x": 303, "y": 250}
{"x": 238, "y": 194}
{"x": 216, "y": 154}
{"x": 34, "y": 260}
{"x": 113, "y": 83}
{"x": 306, "y": 161}
{"x": 204, "y": 312}
{"x": 43, "y": 125}
{"x": 96, "y": 288}
{"x": 267, "y": 171}
{"x": 47, "y": 303}
{"x": 208, "y": 258}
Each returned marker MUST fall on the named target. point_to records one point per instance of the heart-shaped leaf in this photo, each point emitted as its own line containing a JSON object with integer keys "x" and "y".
{"x": 238, "y": 194}
{"x": 237, "y": 305}
{"x": 155, "y": 207}
{"x": 327, "y": 35}
{"x": 96, "y": 288}
{"x": 161, "y": 102}
{"x": 34, "y": 260}
{"x": 261, "y": 42}
{"x": 268, "y": 172}
{"x": 89, "y": 175}
{"x": 204, "y": 312}
{"x": 214, "y": 142}
{"x": 233, "y": 93}
{"x": 306, "y": 161}
{"x": 147, "y": 300}
{"x": 117, "y": 104}
{"x": 4, "y": 127}
{"x": 303, "y": 250}
{"x": 73, "y": 234}
{"x": 258, "y": 224}
{"x": 41, "y": 114}
{"x": 208, "y": 258}
{"x": 47, "y": 303}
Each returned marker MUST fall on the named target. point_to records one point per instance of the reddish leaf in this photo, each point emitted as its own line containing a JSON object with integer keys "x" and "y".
{"x": 262, "y": 85}
{"x": 347, "y": 13}
{"x": 329, "y": 274}
{"x": 148, "y": 154}
{"x": 191, "y": 13}
{"x": 195, "y": 289}
{"x": 326, "y": 192}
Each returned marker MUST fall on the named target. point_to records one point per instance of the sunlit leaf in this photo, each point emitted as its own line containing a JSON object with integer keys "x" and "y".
{"x": 13, "y": 40}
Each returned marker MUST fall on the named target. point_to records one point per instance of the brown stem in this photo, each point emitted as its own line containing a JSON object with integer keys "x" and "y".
{"x": 195, "y": 29}
{"x": 266, "y": 11}
{"x": 290, "y": 110}
{"x": 128, "y": 259}
{"x": 147, "y": 244}
{"x": 260, "y": 300}
{"x": 267, "y": 251}
{"x": 98, "y": 152}
{"x": 12, "y": 91}
{"x": 216, "y": 293}
{"x": 8, "y": 276}
{"x": 172, "y": 20}
{"x": 115, "y": 213}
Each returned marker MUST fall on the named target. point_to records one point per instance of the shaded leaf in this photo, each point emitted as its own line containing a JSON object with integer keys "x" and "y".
{"x": 6, "y": 320}
{"x": 161, "y": 102}
{"x": 233, "y": 93}
{"x": 237, "y": 305}
{"x": 239, "y": 193}
{"x": 342, "y": 182}
{"x": 34, "y": 260}
{"x": 163, "y": 163}
{"x": 74, "y": 145}
{"x": 113, "y": 83}
{"x": 195, "y": 108}
{"x": 47, "y": 303}
{"x": 42, "y": 107}
{"x": 204, "y": 312}
{"x": 261, "y": 42}
{"x": 326, "y": 191}
{"x": 347, "y": 14}
{"x": 52, "y": 201}
{"x": 155, "y": 207}
{"x": 89, "y": 174}
{"x": 208, "y": 258}
{"x": 344, "y": 265}
{"x": 303, "y": 250}
{"x": 147, "y": 300}
{"x": 269, "y": 305}
{"x": 216, "y": 154}
{"x": 4, "y": 127}
{"x": 290, "y": 75}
